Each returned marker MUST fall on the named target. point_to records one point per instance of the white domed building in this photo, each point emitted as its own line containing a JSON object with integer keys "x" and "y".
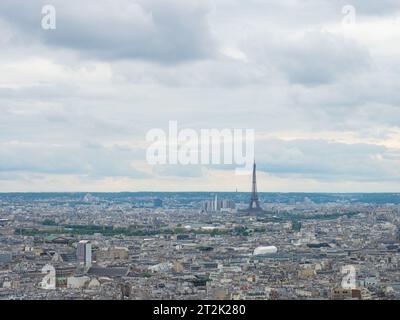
{"x": 265, "y": 250}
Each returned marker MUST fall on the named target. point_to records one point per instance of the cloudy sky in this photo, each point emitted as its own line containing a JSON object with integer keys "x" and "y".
{"x": 322, "y": 96}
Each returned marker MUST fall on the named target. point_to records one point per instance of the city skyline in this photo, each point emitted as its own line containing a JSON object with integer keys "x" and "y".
{"x": 191, "y": 246}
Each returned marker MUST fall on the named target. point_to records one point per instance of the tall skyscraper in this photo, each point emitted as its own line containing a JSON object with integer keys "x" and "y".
{"x": 217, "y": 205}
{"x": 84, "y": 253}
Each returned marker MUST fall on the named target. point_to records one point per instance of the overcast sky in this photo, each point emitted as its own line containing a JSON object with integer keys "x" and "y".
{"x": 76, "y": 102}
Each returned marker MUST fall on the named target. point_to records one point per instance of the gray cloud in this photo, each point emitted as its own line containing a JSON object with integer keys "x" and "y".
{"x": 79, "y": 101}
{"x": 325, "y": 160}
{"x": 322, "y": 58}
{"x": 80, "y": 160}
{"x": 370, "y": 7}
{"x": 162, "y": 31}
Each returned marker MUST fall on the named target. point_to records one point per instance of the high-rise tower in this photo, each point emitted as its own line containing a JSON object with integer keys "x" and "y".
{"x": 84, "y": 253}
{"x": 254, "y": 202}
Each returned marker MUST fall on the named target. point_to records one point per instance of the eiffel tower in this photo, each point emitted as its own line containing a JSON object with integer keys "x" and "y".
{"x": 254, "y": 202}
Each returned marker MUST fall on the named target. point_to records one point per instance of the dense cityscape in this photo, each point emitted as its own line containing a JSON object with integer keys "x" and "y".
{"x": 199, "y": 246}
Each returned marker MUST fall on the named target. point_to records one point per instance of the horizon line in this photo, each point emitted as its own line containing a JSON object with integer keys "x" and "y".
{"x": 285, "y": 192}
